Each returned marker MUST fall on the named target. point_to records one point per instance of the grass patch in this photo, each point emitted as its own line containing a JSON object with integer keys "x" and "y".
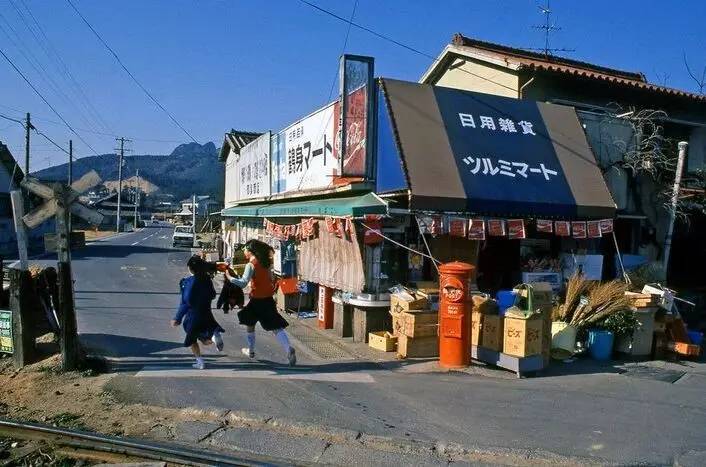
{"x": 68, "y": 420}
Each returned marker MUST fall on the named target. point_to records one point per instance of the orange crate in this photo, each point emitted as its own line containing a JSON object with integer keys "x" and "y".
{"x": 289, "y": 285}
{"x": 683, "y": 348}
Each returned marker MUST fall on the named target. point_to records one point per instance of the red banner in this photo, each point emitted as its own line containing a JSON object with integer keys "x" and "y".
{"x": 496, "y": 228}
{"x": 545, "y": 226}
{"x": 457, "y": 226}
{"x": 562, "y": 228}
{"x": 477, "y": 230}
{"x": 356, "y": 128}
{"x": 578, "y": 229}
{"x": 594, "y": 229}
{"x": 606, "y": 226}
{"x": 516, "y": 229}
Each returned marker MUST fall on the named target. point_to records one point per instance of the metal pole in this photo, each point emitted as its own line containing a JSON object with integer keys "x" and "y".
{"x": 120, "y": 180}
{"x": 137, "y": 193}
{"x": 683, "y": 145}
{"x": 71, "y": 176}
{"x": 193, "y": 216}
{"x": 28, "y": 126}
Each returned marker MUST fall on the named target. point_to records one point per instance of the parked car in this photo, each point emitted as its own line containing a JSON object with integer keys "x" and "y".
{"x": 183, "y": 235}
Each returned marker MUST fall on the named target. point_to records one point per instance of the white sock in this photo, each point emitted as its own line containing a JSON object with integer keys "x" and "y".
{"x": 216, "y": 336}
{"x": 251, "y": 341}
{"x": 199, "y": 360}
{"x": 283, "y": 339}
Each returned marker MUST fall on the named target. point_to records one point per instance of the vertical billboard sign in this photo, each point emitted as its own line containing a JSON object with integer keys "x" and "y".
{"x": 253, "y": 169}
{"x": 232, "y": 187}
{"x": 354, "y": 116}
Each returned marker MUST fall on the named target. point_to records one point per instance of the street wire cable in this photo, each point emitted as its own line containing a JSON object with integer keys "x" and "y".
{"x": 52, "y": 141}
{"x": 396, "y": 42}
{"x": 52, "y": 53}
{"x": 12, "y": 119}
{"x": 120, "y": 62}
{"x": 46, "y": 101}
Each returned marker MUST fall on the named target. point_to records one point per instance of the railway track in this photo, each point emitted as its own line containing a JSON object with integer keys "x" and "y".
{"x": 102, "y": 448}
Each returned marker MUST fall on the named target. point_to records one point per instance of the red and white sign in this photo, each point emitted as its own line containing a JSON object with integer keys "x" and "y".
{"x": 578, "y": 229}
{"x": 356, "y": 127}
{"x": 476, "y": 231}
{"x": 457, "y": 226}
{"x": 515, "y": 229}
{"x": 562, "y": 228}
{"x": 545, "y": 226}
{"x": 594, "y": 229}
{"x": 606, "y": 226}
{"x": 496, "y": 228}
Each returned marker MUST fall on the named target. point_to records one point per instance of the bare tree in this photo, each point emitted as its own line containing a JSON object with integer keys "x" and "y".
{"x": 700, "y": 82}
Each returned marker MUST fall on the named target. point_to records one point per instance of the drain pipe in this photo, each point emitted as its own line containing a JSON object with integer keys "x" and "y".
{"x": 673, "y": 206}
{"x": 522, "y": 88}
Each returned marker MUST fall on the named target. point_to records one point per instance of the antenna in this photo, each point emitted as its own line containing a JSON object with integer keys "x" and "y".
{"x": 548, "y": 27}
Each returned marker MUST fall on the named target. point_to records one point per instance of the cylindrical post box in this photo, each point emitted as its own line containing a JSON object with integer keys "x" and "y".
{"x": 455, "y": 314}
{"x": 325, "y": 307}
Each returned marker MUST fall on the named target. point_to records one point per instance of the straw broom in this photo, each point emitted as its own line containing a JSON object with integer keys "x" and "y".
{"x": 603, "y": 300}
{"x": 575, "y": 288}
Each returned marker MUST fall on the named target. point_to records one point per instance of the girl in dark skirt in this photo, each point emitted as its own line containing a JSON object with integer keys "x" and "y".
{"x": 261, "y": 307}
{"x": 194, "y": 312}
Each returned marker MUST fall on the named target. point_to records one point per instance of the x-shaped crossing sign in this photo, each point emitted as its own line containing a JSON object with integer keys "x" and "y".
{"x": 61, "y": 196}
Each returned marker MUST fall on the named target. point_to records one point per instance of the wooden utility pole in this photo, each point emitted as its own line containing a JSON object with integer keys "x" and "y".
{"x": 71, "y": 176}
{"x": 28, "y": 126}
{"x": 23, "y": 338}
{"x": 193, "y": 218}
{"x": 20, "y": 230}
{"x": 120, "y": 179}
{"x": 137, "y": 193}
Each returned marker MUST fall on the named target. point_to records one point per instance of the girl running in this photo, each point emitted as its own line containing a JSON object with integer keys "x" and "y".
{"x": 261, "y": 307}
{"x": 197, "y": 292}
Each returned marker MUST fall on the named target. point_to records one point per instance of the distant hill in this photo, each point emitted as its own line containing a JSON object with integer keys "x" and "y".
{"x": 145, "y": 185}
{"x": 190, "y": 168}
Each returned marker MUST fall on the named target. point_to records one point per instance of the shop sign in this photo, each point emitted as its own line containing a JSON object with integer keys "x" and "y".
{"x": 562, "y": 228}
{"x": 578, "y": 229}
{"x": 496, "y": 227}
{"x": 545, "y": 226}
{"x": 6, "y": 332}
{"x": 477, "y": 229}
{"x": 306, "y": 157}
{"x": 606, "y": 226}
{"x": 515, "y": 229}
{"x": 253, "y": 169}
{"x": 594, "y": 229}
{"x": 356, "y": 132}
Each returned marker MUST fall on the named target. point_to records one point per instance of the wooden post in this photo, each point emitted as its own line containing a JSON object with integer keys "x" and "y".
{"x": 23, "y": 339}
{"x": 20, "y": 230}
{"x": 69, "y": 332}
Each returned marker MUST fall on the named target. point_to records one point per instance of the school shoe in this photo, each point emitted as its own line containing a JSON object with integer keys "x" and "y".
{"x": 292, "y": 356}
{"x": 247, "y": 352}
{"x": 219, "y": 342}
{"x": 199, "y": 365}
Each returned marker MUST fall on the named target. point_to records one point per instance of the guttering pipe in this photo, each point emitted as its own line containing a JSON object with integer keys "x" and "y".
{"x": 522, "y": 88}
{"x": 673, "y": 206}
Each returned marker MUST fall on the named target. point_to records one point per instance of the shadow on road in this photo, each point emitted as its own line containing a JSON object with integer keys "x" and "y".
{"x": 109, "y": 345}
{"x": 116, "y": 251}
{"x": 123, "y": 292}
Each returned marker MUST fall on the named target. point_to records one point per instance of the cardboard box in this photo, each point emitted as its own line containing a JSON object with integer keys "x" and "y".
{"x": 406, "y": 301}
{"x": 418, "y": 323}
{"x": 410, "y": 347}
{"x": 686, "y": 349}
{"x": 382, "y": 340}
{"x": 492, "y": 332}
{"x": 523, "y": 337}
{"x": 476, "y": 325}
{"x": 428, "y": 287}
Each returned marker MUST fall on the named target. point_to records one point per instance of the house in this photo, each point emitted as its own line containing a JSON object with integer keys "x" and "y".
{"x": 108, "y": 206}
{"x": 624, "y": 117}
{"x": 234, "y": 141}
{"x": 205, "y": 205}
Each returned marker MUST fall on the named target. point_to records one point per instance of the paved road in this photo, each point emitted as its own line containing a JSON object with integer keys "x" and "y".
{"x": 126, "y": 292}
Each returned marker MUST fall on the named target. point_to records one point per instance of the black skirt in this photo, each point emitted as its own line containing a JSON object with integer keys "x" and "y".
{"x": 264, "y": 311}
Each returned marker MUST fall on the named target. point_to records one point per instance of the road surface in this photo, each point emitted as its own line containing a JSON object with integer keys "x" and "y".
{"x": 127, "y": 291}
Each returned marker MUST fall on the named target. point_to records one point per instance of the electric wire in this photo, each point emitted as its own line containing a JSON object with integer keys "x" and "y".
{"x": 36, "y": 91}
{"x": 122, "y": 65}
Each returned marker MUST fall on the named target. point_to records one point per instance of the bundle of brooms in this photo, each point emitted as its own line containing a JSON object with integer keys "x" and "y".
{"x": 588, "y": 302}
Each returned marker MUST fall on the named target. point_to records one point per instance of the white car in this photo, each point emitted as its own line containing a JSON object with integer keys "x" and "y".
{"x": 183, "y": 235}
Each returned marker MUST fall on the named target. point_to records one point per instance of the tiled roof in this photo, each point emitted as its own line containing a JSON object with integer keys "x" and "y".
{"x": 11, "y": 165}
{"x": 538, "y": 61}
{"x": 237, "y": 140}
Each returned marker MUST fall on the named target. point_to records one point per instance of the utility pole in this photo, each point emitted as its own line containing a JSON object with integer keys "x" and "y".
{"x": 137, "y": 193}
{"x": 120, "y": 177}
{"x": 28, "y": 126}
{"x": 683, "y": 145}
{"x": 71, "y": 177}
{"x": 193, "y": 216}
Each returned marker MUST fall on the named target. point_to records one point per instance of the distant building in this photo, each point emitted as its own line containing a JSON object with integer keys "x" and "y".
{"x": 108, "y": 206}
{"x": 205, "y": 205}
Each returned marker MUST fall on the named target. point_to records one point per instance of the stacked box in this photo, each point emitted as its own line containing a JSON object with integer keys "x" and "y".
{"x": 523, "y": 337}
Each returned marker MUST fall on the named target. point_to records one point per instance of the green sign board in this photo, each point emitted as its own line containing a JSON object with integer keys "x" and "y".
{"x": 6, "y": 331}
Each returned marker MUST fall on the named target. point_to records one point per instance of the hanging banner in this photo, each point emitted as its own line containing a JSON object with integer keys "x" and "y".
{"x": 476, "y": 230}
{"x": 437, "y": 227}
{"x": 606, "y": 226}
{"x": 352, "y": 115}
{"x": 515, "y": 229}
{"x": 562, "y": 228}
{"x": 457, "y": 226}
{"x": 496, "y": 228}
{"x": 253, "y": 169}
{"x": 594, "y": 229}
{"x": 6, "y": 345}
{"x": 578, "y": 229}
{"x": 545, "y": 226}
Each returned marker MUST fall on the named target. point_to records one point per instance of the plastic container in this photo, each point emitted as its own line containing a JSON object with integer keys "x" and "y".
{"x": 696, "y": 337}
{"x": 505, "y": 298}
{"x": 563, "y": 340}
{"x": 600, "y": 344}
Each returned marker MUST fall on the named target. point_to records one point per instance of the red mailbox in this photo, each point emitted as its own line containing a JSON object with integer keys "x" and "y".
{"x": 455, "y": 314}
{"x": 325, "y": 307}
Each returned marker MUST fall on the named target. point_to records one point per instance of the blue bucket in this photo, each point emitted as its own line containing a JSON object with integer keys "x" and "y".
{"x": 505, "y": 298}
{"x": 696, "y": 337}
{"x": 600, "y": 344}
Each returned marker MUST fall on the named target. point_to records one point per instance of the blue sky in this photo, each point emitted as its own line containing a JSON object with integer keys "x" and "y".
{"x": 262, "y": 64}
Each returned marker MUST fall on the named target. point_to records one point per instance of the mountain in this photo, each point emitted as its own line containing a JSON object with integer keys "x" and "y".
{"x": 190, "y": 168}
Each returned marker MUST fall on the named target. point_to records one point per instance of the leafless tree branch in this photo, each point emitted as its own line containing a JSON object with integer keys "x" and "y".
{"x": 700, "y": 83}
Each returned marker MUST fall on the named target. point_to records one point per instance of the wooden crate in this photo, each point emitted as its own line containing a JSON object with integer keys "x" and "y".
{"x": 367, "y": 320}
{"x": 523, "y": 337}
{"x": 413, "y": 347}
{"x": 492, "y": 332}
{"x": 382, "y": 340}
{"x": 418, "y": 323}
{"x": 343, "y": 319}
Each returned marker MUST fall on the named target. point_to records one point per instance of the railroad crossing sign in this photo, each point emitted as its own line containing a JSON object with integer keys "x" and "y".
{"x": 61, "y": 200}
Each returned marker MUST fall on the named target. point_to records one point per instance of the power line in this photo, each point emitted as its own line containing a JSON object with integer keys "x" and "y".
{"x": 12, "y": 119}
{"x": 52, "y": 141}
{"x": 52, "y": 52}
{"x": 396, "y": 42}
{"x": 45, "y": 101}
{"x": 120, "y": 62}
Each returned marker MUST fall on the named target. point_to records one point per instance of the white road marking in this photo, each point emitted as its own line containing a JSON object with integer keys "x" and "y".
{"x": 143, "y": 239}
{"x": 342, "y": 377}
